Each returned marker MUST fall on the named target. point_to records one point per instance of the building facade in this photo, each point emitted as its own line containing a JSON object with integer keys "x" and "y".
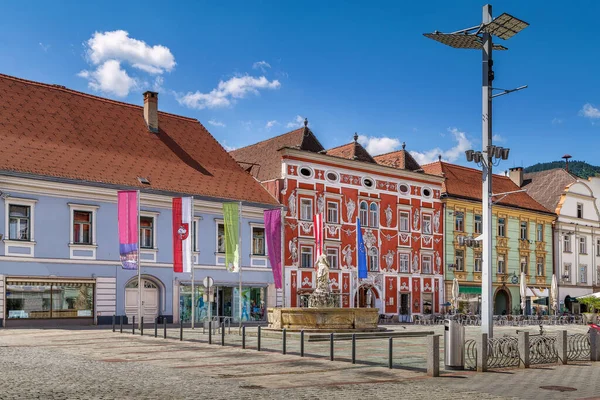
{"x": 576, "y": 234}
{"x": 66, "y": 157}
{"x": 521, "y": 242}
{"x": 400, "y": 212}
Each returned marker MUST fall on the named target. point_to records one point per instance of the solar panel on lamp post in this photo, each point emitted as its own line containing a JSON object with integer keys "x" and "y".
{"x": 480, "y": 37}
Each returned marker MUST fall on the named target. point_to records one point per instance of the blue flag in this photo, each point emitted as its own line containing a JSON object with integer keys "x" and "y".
{"x": 361, "y": 254}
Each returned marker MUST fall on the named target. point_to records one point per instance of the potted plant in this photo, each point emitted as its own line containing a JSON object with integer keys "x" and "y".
{"x": 593, "y": 305}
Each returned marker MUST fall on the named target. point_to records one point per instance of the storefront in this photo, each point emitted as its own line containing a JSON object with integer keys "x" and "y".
{"x": 31, "y": 300}
{"x": 469, "y": 300}
{"x": 225, "y": 304}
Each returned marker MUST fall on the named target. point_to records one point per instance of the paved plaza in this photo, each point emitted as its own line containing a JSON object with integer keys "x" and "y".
{"x": 100, "y": 364}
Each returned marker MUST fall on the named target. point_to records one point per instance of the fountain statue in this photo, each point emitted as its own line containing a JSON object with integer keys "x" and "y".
{"x": 322, "y": 296}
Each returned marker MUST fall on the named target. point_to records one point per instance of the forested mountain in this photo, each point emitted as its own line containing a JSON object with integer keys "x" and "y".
{"x": 579, "y": 168}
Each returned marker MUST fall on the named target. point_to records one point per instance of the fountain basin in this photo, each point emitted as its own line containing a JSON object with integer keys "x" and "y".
{"x": 324, "y": 319}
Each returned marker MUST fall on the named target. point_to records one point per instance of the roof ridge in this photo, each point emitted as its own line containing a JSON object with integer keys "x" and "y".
{"x": 342, "y": 145}
{"x": 391, "y": 152}
{"x": 267, "y": 140}
{"x": 65, "y": 89}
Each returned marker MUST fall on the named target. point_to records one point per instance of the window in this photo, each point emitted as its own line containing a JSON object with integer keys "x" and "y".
{"x": 597, "y": 274}
{"x": 478, "y": 223}
{"x": 583, "y": 274}
{"x": 404, "y": 221}
{"x": 82, "y": 227}
{"x": 332, "y": 176}
{"x": 459, "y": 257}
{"x": 524, "y": 265}
{"x": 332, "y": 258}
{"x": 597, "y": 247}
{"x": 426, "y": 264}
{"x": 567, "y": 243}
{"x": 579, "y": 210}
{"x": 427, "y": 192}
{"x": 540, "y": 232}
{"x": 368, "y": 183}
{"x": 523, "y": 230}
{"x": 540, "y": 266}
{"x": 258, "y": 241}
{"x": 221, "y": 238}
{"x": 306, "y": 257}
{"x": 459, "y": 222}
{"x": 501, "y": 264}
{"x": 478, "y": 262}
{"x": 147, "y": 232}
{"x": 306, "y": 172}
{"x": 582, "y": 245}
{"x": 364, "y": 213}
{"x": 332, "y": 212}
{"x": 566, "y": 272}
{"x": 373, "y": 259}
{"x": 195, "y": 235}
{"x": 19, "y": 218}
{"x": 306, "y": 212}
{"x": 404, "y": 262}
{"x": 427, "y": 224}
{"x": 404, "y": 189}
{"x": 374, "y": 215}
{"x": 501, "y": 227}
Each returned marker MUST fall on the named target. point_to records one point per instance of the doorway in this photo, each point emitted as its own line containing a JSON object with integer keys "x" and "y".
{"x": 502, "y": 302}
{"x": 404, "y": 307}
{"x": 366, "y": 297}
{"x": 150, "y": 299}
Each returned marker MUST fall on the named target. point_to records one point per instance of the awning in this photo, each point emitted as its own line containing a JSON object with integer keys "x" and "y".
{"x": 469, "y": 289}
{"x": 538, "y": 292}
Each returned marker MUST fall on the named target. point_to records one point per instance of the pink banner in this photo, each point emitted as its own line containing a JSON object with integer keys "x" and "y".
{"x": 127, "y": 205}
{"x": 273, "y": 236}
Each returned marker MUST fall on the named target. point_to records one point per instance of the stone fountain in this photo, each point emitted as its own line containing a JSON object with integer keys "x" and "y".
{"x": 323, "y": 313}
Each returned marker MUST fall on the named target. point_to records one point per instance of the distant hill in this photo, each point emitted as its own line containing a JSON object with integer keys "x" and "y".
{"x": 579, "y": 168}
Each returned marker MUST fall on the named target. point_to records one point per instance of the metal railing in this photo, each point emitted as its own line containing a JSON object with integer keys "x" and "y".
{"x": 542, "y": 349}
{"x": 578, "y": 347}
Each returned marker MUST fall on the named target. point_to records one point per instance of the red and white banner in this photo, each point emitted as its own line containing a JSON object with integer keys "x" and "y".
{"x": 182, "y": 234}
{"x": 318, "y": 229}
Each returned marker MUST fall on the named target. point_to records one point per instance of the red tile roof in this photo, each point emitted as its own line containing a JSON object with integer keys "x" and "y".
{"x": 548, "y": 186}
{"x": 466, "y": 183}
{"x": 351, "y": 151}
{"x": 398, "y": 159}
{"x": 263, "y": 159}
{"x": 48, "y": 130}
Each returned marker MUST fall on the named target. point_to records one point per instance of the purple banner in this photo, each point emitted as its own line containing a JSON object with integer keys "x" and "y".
{"x": 127, "y": 205}
{"x": 273, "y": 237}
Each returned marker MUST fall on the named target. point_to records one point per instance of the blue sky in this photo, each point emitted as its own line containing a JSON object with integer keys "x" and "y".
{"x": 249, "y": 70}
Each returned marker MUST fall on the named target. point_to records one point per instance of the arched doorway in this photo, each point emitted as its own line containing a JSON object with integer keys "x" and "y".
{"x": 502, "y": 303}
{"x": 150, "y": 298}
{"x": 367, "y": 296}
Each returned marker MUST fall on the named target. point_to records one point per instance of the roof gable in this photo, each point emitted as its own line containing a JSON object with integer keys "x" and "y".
{"x": 398, "y": 159}
{"x": 548, "y": 186}
{"x": 352, "y": 151}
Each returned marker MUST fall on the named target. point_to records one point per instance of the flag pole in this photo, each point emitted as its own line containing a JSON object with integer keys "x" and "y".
{"x": 193, "y": 243}
{"x": 240, "y": 261}
{"x": 282, "y": 256}
{"x": 139, "y": 262}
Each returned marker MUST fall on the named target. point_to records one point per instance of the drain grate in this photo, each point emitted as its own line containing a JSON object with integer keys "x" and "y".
{"x": 559, "y": 388}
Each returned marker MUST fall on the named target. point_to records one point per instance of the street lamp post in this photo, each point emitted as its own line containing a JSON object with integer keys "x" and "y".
{"x": 480, "y": 37}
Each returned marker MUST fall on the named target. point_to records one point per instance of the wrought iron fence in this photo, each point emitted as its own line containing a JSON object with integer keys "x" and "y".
{"x": 471, "y": 354}
{"x": 542, "y": 349}
{"x": 578, "y": 347}
{"x": 503, "y": 352}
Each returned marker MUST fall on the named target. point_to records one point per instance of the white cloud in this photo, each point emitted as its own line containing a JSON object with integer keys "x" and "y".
{"x": 44, "y": 47}
{"x": 109, "y": 52}
{"x": 271, "y": 124}
{"x": 247, "y": 125}
{"x": 451, "y": 154}
{"x": 110, "y": 78}
{"x": 557, "y": 121}
{"x": 262, "y": 65}
{"x": 498, "y": 138}
{"x": 227, "y": 92}
{"x": 296, "y": 122}
{"x": 214, "y": 122}
{"x": 226, "y": 147}
{"x": 589, "y": 111}
{"x": 378, "y": 145}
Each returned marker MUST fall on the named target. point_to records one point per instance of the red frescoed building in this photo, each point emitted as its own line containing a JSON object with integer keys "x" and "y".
{"x": 398, "y": 205}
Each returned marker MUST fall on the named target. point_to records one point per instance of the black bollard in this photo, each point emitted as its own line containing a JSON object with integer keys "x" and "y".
{"x": 331, "y": 347}
{"x": 390, "y": 349}
{"x": 164, "y": 327}
{"x": 180, "y": 329}
{"x": 209, "y": 332}
{"x": 222, "y": 333}
{"x": 258, "y": 344}
{"x": 156, "y": 327}
{"x": 302, "y": 343}
{"x": 283, "y": 333}
{"x": 121, "y": 323}
{"x": 244, "y": 337}
{"x": 142, "y": 326}
{"x": 114, "y": 321}
{"x": 354, "y": 348}
{"x": 133, "y": 326}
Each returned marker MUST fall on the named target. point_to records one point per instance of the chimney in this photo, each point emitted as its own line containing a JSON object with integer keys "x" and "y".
{"x": 516, "y": 175}
{"x": 151, "y": 110}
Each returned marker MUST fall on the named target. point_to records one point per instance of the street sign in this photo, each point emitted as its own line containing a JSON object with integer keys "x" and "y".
{"x": 208, "y": 282}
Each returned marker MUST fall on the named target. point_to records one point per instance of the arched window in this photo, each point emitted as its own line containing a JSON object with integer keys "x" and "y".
{"x": 374, "y": 216}
{"x": 373, "y": 259}
{"x": 364, "y": 214}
